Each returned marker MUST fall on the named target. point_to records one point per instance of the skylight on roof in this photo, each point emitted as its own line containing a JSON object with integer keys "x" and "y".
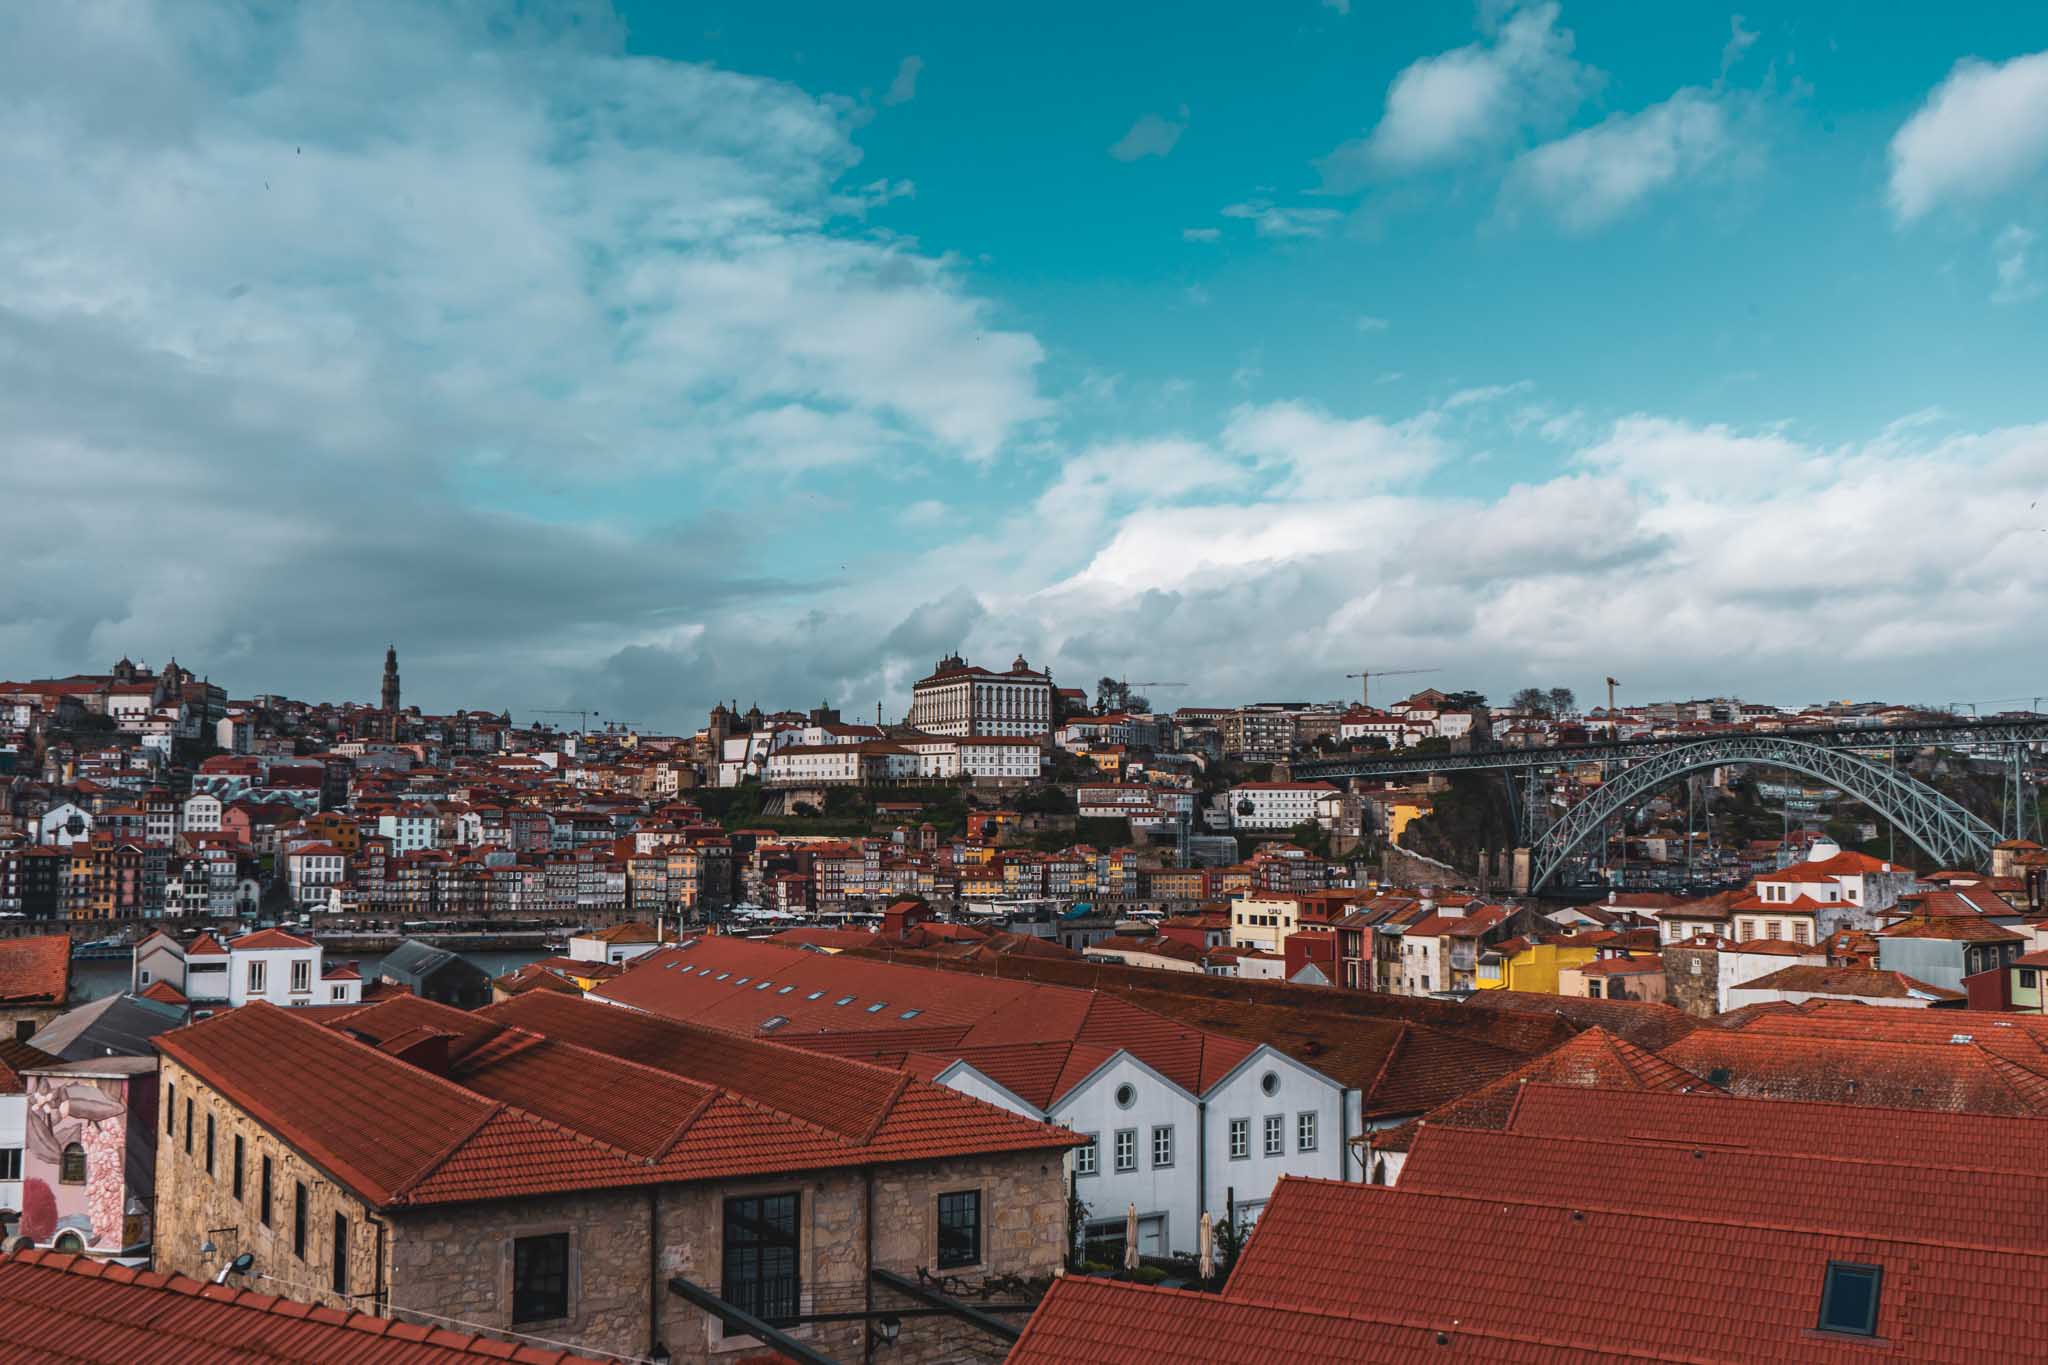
{"x": 815, "y": 995}
{"x": 878, "y": 1007}
{"x": 910, "y": 1014}
{"x": 723, "y": 975}
{"x": 773, "y": 1022}
{"x": 784, "y": 990}
{"x": 844, "y": 1000}
{"x": 764, "y": 985}
{"x": 741, "y": 982}
{"x": 1848, "y": 1298}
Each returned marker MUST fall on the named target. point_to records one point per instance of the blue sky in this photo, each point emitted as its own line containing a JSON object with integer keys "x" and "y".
{"x": 636, "y": 357}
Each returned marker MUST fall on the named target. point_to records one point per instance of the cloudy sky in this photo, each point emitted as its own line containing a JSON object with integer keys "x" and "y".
{"x": 635, "y": 357}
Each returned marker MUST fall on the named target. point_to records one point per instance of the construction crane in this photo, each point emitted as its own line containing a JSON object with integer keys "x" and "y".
{"x": 583, "y": 713}
{"x": 1365, "y": 679}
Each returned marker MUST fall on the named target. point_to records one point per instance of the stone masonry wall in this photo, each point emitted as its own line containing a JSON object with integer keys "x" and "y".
{"x": 1691, "y": 977}
{"x": 455, "y": 1261}
{"x": 193, "y": 1207}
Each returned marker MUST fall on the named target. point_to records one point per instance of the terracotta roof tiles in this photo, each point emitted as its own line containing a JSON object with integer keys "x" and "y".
{"x": 35, "y": 971}
{"x": 56, "y": 1307}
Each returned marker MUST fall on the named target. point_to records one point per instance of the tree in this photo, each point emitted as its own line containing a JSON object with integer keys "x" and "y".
{"x": 1464, "y": 701}
{"x": 1113, "y": 695}
{"x": 1562, "y": 702}
{"x": 1531, "y": 699}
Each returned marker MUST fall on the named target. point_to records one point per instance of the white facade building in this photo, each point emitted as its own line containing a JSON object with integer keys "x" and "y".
{"x": 1174, "y": 1154}
{"x": 201, "y": 813}
{"x": 1279, "y": 805}
{"x": 959, "y": 699}
{"x": 409, "y": 829}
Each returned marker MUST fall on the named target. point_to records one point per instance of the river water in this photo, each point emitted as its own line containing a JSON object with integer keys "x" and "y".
{"x": 108, "y": 976}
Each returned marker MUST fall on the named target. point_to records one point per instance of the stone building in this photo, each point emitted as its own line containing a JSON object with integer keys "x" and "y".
{"x": 514, "y": 1169}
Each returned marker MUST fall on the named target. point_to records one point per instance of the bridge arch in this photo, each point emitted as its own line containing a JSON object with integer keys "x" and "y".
{"x": 1948, "y": 832}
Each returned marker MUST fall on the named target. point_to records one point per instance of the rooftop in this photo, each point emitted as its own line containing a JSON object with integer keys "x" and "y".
{"x": 35, "y": 971}
{"x": 540, "y": 1096}
{"x": 56, "y": 1307}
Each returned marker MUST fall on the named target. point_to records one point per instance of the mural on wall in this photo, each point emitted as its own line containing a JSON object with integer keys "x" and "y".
{"x": 74, "y": 1122}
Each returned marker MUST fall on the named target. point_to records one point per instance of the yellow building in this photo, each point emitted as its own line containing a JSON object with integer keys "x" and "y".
{"x": 1532, "y": 967}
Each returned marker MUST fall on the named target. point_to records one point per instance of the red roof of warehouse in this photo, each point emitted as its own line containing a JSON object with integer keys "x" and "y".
{"x": 541, "y": 1097}
{"x": 35, "y": 971}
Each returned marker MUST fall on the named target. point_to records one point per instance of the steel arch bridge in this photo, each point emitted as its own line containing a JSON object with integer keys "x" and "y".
{"x": 1950, "y": 834}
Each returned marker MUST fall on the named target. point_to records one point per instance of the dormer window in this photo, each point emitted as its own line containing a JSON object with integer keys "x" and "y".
{"x": 1848, "y": 1298}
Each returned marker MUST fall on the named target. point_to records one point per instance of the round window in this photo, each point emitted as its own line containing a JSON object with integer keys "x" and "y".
{"x": 1270, "y": 1082}
{"x": 1126, "y": 1096}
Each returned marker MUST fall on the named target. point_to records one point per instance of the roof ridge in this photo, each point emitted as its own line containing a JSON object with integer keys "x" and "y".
{"x": 436, "y": 1162}
{"x": 887, "y": 1108}
{"x": 1517, "y": 1200}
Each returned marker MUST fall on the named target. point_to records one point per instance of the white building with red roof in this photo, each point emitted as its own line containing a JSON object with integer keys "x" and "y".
{"x": 957, "y": 698}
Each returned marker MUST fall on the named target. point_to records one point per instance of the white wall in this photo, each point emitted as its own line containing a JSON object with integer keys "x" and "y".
{"x": 277, "y": 976}
{"x": 1242, "y": 1095}
{"x": 13, "y": 1137}
{"x": 1171, "y": 1191}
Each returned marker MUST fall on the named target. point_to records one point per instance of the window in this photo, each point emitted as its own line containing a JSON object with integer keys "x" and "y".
{"x": 188, "y": 1125}
{"x": 209, "y": 1144}
{"x": 959, "y": 1229}
{"x": 302, "y": 975}
{"x": 265, "y": 1199}
{"x": 24, "y": 1029}
{"x": 2027, "y": 978}
{"x": 340, "y": 993}
{"x": 1270, "y": 1082}
{"x": 1240, "y": 1139}
{"x": 72, "y": 1169}
{"x": 256, "y": 977}
{"x": 1305, "y": 1131}
{"x": 1276, "y": 1135}
{"x": 299, "y": 1219}
{"x": 761, "y": 1247}
{"x": 1085, "y": 1158}
{"x": 843, "y": 1000}
{"x": 238, "y": 1166}
{"x": 10, "y": 1163}
{"x": 1848, "y": 1298}
{"x": 540, "y": 1277}
{"x": 340, "y": 1254}
{"x": 1127, "y": 1149}
{"x": 1162, "y": 1146}
{"x": 171, "y": 1114}
{"x": 1126, "y": 1096}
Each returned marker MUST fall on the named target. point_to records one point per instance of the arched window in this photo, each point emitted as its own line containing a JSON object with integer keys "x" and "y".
{"x": 72, "y": 1171}
{"x": 69, "y": 1242}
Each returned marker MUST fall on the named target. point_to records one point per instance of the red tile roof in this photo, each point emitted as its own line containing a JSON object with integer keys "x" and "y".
{"x": 1595, "y": 1058}
{"x": 1958, "y": 927}
{"x": 35, "y": 971}
{"x": 527, "y": 1112}
{"x": 1709, "y": 1287}
{"x": 1089, "y": 1321}
{"x": 56, "y": 1307}
{"x": 269, "y": 938}
{"x": 1968, "y": 1077}
{"x": 1944, "y": 1203}
{"x": 1708, "y": 1118}
{"x": 17, "y": 1057}
{"x": 1868, "y": 983}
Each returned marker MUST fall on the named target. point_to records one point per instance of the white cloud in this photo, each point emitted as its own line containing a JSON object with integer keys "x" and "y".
{"x": 1982, "y": 130}
{"x": 1273, "y": 221}
{"x": 1594, "y": 175}
{"x": 1369, "y": 323}
{"x": 903, "y": 89}
{"x": 1446, "y": 107}
{"x": 1341, "y": 6}
{"x": 1317, "y": 455}
{"x": 468, "y": 308}
{"x": 1486, "y": 393}
{"x": 2011, "y": 256}
{"x": 1151, "y": 135}
{"x": 1740, "y": 40}
{"x": 1201, "y": 234}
